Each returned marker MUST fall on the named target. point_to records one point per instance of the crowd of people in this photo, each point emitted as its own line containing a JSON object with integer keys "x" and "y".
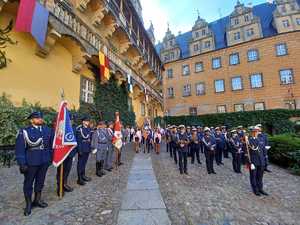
{"x": 216, "y": 144}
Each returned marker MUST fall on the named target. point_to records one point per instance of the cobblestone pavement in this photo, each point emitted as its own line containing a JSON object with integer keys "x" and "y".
{"x": 98, "y": 202}
{"x": 226, "y": 198}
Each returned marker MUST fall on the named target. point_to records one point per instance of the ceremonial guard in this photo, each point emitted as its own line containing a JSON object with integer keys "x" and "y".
{"x": 99, "y": 145}
{"x": 174, "y": 143}
{"x": 83, "y": 137}
{"x": 34, "y": 156}
{"x": 221, "y": 145}
{"x": 200, "y": 134}
{"x": 236, "y": 147}
{"x": 209, "y": 150}
{"x": 195, "y": 146}
{"x": 256, "y": 156}
{"x": 183, "y": 141}
{"x": 264, "y": 137}
{"x": 242, "y": 136}
{"x": 67, "y": 166}
{"x": 189, "y": 134}
{"x": 168, "y": 136}
{"x": 108, "y": 163}
{"x": 227, "y": 144}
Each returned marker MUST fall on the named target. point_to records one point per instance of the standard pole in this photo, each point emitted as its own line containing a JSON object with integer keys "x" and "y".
{"x": 61, "y": 180}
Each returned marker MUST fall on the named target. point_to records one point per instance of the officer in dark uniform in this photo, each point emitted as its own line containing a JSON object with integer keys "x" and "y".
{"x": 200, "y": 137}
{"x": 189, "y": 134}
{"x": 67, "y": 165}
{"x": 183, "y": 141}
{"x": 221, "y": 144}
{"x": 168, "y": 134}
{"x": 226, "y": 137}
{"x": 264, "y": 137}
{"x": 241, "y": 135}
{"x": 195, "y": 146}
{"x": 209, "y": 150}
{"x": 236, "y": 150}
{"x": 34, "y": 156}
{"x": 83, "y": 137}
{"x": 174, "y": 142}
{"x": 257, "y": 162}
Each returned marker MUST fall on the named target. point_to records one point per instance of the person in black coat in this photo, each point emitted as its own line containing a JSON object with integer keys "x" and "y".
{"x": 209, "y": 150}
{"x": 236, "y": 150}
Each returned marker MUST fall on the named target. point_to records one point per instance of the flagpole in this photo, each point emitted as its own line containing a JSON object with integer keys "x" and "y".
{"x": 62, "y": 95}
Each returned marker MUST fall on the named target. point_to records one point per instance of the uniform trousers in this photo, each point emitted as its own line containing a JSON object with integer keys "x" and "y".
{"x": 82, "y": 161}
{"x": 67, "y": 165}
{"x": 195, "y": 150}
{"x": 108, "y": 161}
{"x": 182, "y": 160}
{"x": 209, "y": 159}
{"x": 256, "y": 178}
{"x": 236, "y": 162}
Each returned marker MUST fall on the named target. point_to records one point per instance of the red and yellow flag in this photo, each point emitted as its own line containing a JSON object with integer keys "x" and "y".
{"x": 104, "y": 67}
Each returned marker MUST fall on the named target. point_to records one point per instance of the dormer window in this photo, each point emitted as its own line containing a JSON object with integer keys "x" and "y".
{"x": 237, "y": 36}
{"x": 283, "y": 9}
{"x": 247, "y": 18}
{"x": 286, "y": 23}
{"x": 236, "y": 21}
{"x": 197, "y": 34}
{"x": 207, "y": 44}
{"x": 203, "y": 32}
{"x": 250, "y": 32}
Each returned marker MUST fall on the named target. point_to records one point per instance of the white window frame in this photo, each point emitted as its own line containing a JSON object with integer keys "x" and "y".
{"x": 199, "y": 91}
{"x": 185, "y": 70}
{"x": 221, "y": 109}
{"x": 87, "y": 90}
{"x": 252, "y": 57}
{"x": 242, "y": 109}
{"x": 233, "y": 83}
{"x": 234, "y": 59}
{"x": 254, "y": 83}
{"x": 187, "y": 90}
{"x": 257, "y": 108}
{"x": 214, "y": 63}
{"x": 281, "y": 49}
{"x": 289, "y": 79}
{"x": 200, "y": 64}
{"x": 219, "y": 82}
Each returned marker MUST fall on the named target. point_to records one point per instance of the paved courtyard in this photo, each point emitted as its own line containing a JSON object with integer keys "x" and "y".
{"x": 148, "y": 190}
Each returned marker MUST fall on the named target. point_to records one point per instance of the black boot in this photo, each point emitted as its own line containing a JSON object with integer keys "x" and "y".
{"x": 85, "y": 178}
{"x": 80, "y": 181}
{"x": 38, "y": 202}
{"x": 98, "y": 170}
{"x": 67, "y": 188}
{"x": 102, "y": 167}
{"x": 27, "y": 210}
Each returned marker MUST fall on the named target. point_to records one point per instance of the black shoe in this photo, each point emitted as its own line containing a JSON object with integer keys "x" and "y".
{"x": 214, "y": 172}
{"x": 38, "y": 202}
{"x": 199, "y": 163}
{"x": 181, "y": 172}
{"x": 208, "y": 172}
{"x": 221, "y": 163}
{"x": 67, "y": 188}
{"x": 80, "y": 181}
{"x": 257, "y": 193}
{"x": 27, "y": 210}
{"x": 186, "y": 173}
{"x": 120, "y": 164}
{"x": 267, "y": 170}
{"x": 264, "y": 193}
{"x": 86, "y": 179}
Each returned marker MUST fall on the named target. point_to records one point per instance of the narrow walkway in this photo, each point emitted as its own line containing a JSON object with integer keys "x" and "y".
{"x": 142, "y": 204}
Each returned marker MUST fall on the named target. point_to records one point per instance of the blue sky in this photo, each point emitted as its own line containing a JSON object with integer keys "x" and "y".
{"x": 181, "y": 14}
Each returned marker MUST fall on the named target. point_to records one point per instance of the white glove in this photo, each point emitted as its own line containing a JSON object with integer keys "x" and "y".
{"x": 94, "y": 151}
{"x": 268, "y": 147}
{"x": 252, "y": 167}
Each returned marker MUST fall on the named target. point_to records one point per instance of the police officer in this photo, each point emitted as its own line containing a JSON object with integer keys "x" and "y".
{"x": 209, "y": 150}
{"x": 83, "y": 137}
{"x": 183, "y": 141}
{"x": 189, "y": 134}
{"x": 173, "y": 142}
{"x": 257, "y": 162}
{"x": 221, "y": 144}
{"x": 99, "y": 145}
{"x": 195, "y": 146}
{"x": 67, "y": 166}
{"x": 200, "y": 134}
{"x": 226, "y": 137}
{"x": 168, "y": 134}
{"x": 264, "y": 137}
{"x": 108, "y": 163}
{"x": 236, "y": 150}
{"x": 34, "y": 156}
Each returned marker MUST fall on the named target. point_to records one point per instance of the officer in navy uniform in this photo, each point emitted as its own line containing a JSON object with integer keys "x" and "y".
{"x": 34, "y": 156}
{"x": 168, "y": 134}
{"x": 200, "y": 137}
{"x": 221, "y": 144}
{"x": 226, "y": 137}
{"x": 236, "y": 150}
{"x": 67, "y": 165}
{"x": 83, "y": 137}
{"x": 209, "y": 150}
{"x": 262, "y": 135}
{"x": 189, "y": 134}
{"x": 183, "y": 142}
{"x": 108, "y": 165}
{"x": 173, "y": 143}
{"x": 257, "y": 162}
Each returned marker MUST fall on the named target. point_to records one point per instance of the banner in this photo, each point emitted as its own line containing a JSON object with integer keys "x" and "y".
{"x": 104, "y": 66}
{"x": 117, "y": 138}
{"x": 64, "y": 139}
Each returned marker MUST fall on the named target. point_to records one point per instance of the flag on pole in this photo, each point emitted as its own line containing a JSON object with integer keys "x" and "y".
{"x": 104, "y": 66}
{"x": 64, "y": 139}
{"x": 33, "y": 17}
{"x": 117, "y": 138}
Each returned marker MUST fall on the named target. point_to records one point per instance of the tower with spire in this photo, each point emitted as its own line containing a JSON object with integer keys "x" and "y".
{"x": 150, "y": 32}
{"x": 170, "y": 50}
{"x": 286, "y": 16}
{"x": 243, "y": 25}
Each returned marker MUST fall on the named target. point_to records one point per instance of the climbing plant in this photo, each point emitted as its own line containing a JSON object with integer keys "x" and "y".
{"x": 4, "y": 40}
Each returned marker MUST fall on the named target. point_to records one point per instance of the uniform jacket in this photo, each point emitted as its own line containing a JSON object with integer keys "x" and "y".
{"x": 74, "y": 150}
{"x": 236, "y": 145}
{"x": 257, "y": 152}
{"x": 183, "y": 137}
{"x": 34, "y": 146}
{"x": 100, "y": 139}
{"x": 209, "y": 143}
{"x": 110, "y": 135}
{"x": 83, "y": 137}
{"x": 220, "y": 140}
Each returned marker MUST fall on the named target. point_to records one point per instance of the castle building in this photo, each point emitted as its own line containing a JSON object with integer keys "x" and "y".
{"x": 248, "y": 60}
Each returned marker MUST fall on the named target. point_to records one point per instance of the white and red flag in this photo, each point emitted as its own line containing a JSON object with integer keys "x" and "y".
{"x": 64, "y": 139}
{"x": 117, "y": 138}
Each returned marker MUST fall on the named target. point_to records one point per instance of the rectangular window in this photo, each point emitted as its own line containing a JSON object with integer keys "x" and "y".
{"x": 199, "y": 67}
{"x": 246, "y": 18}
{"x": 259, "y": 106}
{"x": 196, "y": 47}
{"x": 250, "y": 32}
{"x": 172, "y": 56}
{"x": 87, "y": 90}
{"x": 221, "y": 109}
{"x": 193, "y": 111}
{"x": 281, "y": 49}
{"x": 186, "y": 90}
{"x": 256, "y": 80}
{"x": 143, "y": 109}
{"x": 237, "y": 36}
{"x": 236, "y": 21}
{"x": 216, "y": 63}
{"x": 298, "y": 21}
{"x": 170, "y": 92}
{"x": 234, "y": 59}
{"x": 200, "y": 89}
{"x": 219, "y": 86}
{"x": 239, "y": 107}
{"x": 207, "y": 44}
{"x": 236, "y": 83}
{"x": 252, "y": 55}
{"x": 197, "y": 34}
{"x": 185, "y": 70}
{"x": 285, "y": 23}
{"x": 203, "y": 32}
{"x": 170, "y": 73}
{"x": 286, "y": 76}
{"x": 290, "y": 104}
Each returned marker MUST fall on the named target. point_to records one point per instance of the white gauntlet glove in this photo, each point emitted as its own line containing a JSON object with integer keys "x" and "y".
{"x": 252, "y": 167}
{"x": 94, "y": 151}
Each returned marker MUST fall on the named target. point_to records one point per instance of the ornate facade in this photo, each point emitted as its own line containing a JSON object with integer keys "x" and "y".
{"x": 78, "y": 30}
